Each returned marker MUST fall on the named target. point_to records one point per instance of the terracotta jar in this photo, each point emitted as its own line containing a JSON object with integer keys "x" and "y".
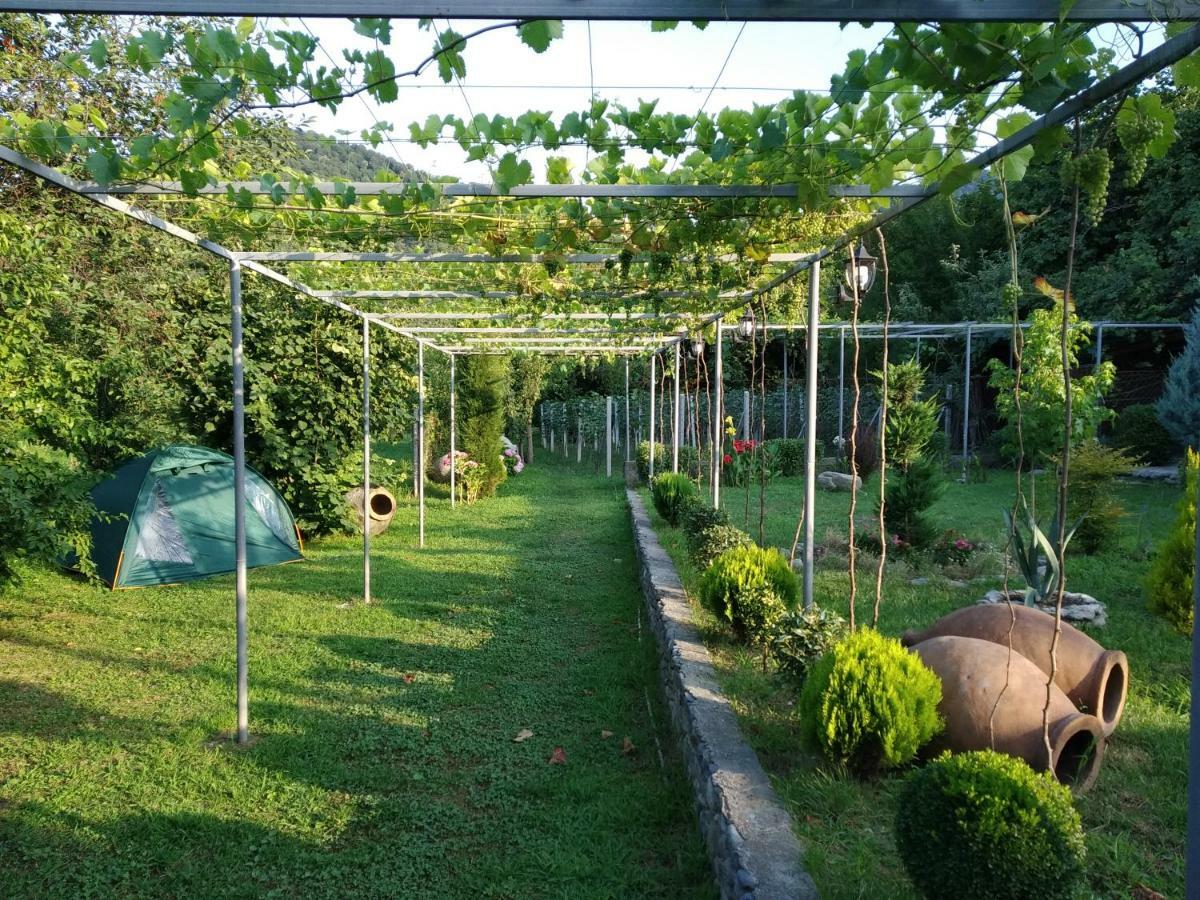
{"x": 1096, "y": 680}
{"x": 381, "y": 505}
{"x": 973, "y": 674}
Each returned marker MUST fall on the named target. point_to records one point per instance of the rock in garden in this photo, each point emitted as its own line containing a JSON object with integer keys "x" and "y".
{"x": 837, "y": 481}
{"x": 1077, "y": 608}
{"x": 1167, "y": 474}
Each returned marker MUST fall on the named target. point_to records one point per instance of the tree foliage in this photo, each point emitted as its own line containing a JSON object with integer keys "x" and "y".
{"x": 1043, "y": 395}
{"x": 1179, "y": 406}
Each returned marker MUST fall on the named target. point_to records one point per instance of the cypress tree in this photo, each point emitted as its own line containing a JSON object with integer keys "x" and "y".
{"x": 1179, "y": 406}
{"x": 482, "y": 393}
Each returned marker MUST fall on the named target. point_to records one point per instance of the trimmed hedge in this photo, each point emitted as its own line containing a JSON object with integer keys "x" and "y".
{"x": 985, "y": 825}
{"x": 1138, "y": 431}
{"x": 789, "y": 455}
{"x": 869, "y": 703}
{"x": 751, "y": 588}
{"x": 673, "y": 494}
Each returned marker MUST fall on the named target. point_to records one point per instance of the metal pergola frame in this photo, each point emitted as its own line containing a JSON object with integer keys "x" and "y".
{"x": 1170, "y": 51}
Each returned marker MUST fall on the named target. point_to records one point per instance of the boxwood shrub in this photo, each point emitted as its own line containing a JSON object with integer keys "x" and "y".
{"x": 869, "y": 703}
{"x": 750, "y": 588}
{"x": 673, "y": 493}
{"x": 802, "y": 637}
{"x": 707, "y": 544}
{"x": 984, "y": 825}
{"x": 700, "y": 516}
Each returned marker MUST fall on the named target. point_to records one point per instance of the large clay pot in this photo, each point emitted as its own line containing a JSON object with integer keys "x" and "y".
{"x": 381, "y": 505}
{"x": 1096, "y": 680}
{"x": 973, "y": 674}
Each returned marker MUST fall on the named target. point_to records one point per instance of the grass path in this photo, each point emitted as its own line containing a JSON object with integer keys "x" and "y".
{"x": 384, "y": 762}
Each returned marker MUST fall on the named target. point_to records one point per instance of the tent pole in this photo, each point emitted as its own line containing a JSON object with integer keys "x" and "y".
{"x": 453, "y": 436}
{"x": 718, "y": 423}
{"x": 676, "y": 422}
{"x": 366, "y": 503}
{"x": 653, "y": 379}
{"x": 810, "y": 426}
{"x": 420, "y": 444}
{"x": 239, "y": 498}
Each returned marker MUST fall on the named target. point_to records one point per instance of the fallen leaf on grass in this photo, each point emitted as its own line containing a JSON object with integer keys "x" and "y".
{"x": 409, "y": 677}
{"x": 558, "y": 757}
{"x": 628, "y": 747}
{"x": 1141, "y": 892}
{"x": 605, "y": 734}
{"x": 523, "y": 735}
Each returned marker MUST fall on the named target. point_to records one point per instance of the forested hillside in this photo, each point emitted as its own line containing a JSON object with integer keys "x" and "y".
{"x": 329, "y": 157}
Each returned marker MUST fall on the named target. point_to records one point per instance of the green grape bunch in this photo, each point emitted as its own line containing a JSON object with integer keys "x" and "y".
{"x": 1011, "y": 295}
{"x": 1136, "y": 133}
{"x": 1090, "y": 171}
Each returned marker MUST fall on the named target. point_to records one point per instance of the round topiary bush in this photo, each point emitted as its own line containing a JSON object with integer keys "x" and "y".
{"x": 706, "y": 545}
{"x": 1138, "y": 431}
{"x": 751, "y": 588}
{"x": 870, "y": 703}
{"x": 985, "y": 825}
{"x": 673, "y": 493}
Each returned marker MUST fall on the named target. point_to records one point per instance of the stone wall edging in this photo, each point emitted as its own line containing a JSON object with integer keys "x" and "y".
{"x": 753, "y": 850}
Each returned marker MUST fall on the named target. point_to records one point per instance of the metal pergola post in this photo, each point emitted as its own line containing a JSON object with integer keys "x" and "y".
{"x": 653, "y": 379}
{"x": 718, "y": 423}
{"x": 841, "y": 390}
{"x": 1099, "y": 345}
{"x": 239, "y": 500}
{"x": 420, "y": 444}
{"x": 608, "y": 436}
{"x": 628, "y": 439}
{"x": 454, "y": 433}
{"x": 676, "y": 421}
{"x": 785, "y": 388}
{"x": 366, "y": 501}
{"x": 810, "y": 425}
{"x": 966, "y": 405}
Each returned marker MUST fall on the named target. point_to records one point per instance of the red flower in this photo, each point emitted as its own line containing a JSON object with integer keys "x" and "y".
{"x": 728, "y": 459}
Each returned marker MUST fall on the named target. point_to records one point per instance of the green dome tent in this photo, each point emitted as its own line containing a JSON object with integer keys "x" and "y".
{"x": 167, "y": 517}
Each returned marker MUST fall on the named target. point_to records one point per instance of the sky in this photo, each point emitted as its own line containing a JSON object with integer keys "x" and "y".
{"x": 739, "y": 63}
{"x": 624, "y": 60}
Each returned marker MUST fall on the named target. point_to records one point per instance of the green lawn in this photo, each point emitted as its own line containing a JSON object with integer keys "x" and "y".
{"x": 1135, "y": 816}
{"x": 384, "y": 763}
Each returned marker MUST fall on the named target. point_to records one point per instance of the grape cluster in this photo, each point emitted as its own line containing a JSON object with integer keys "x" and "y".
{"x": 1136, "y": 133}
{"x": 1090, "y": 172}
{"x": 1011, "y": 295}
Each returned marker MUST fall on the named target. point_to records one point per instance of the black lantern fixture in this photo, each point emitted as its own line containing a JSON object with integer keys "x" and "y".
{"x": 697, "y": 346}
{"x": 745, "y": 326}
{"x": 860, "y": 271}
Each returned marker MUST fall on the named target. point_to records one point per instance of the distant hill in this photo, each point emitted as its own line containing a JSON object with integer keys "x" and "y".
{"x": 327, "y": 157}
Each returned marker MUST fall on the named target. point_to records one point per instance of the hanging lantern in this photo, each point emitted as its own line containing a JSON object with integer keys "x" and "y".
{"x": 697, "y": 346}
{"x": 745, "y": 326}
{"x": 861, "y": 270}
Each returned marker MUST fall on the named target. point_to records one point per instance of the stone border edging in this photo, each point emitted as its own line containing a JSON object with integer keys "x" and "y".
{"x": 754, "y": 852}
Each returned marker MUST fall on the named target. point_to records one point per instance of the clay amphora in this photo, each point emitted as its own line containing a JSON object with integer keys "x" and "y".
{"x": 973, "y": 674}
{"x": 1096, "y": 680}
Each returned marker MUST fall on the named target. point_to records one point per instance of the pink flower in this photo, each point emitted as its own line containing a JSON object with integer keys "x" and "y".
{"x": 962, "y": 544}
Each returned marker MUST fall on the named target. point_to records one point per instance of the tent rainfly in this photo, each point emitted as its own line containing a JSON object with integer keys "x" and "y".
{"x": 167, "y": 517}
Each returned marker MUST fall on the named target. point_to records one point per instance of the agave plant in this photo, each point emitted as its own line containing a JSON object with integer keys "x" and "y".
{"x": 1036, "y": 556}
